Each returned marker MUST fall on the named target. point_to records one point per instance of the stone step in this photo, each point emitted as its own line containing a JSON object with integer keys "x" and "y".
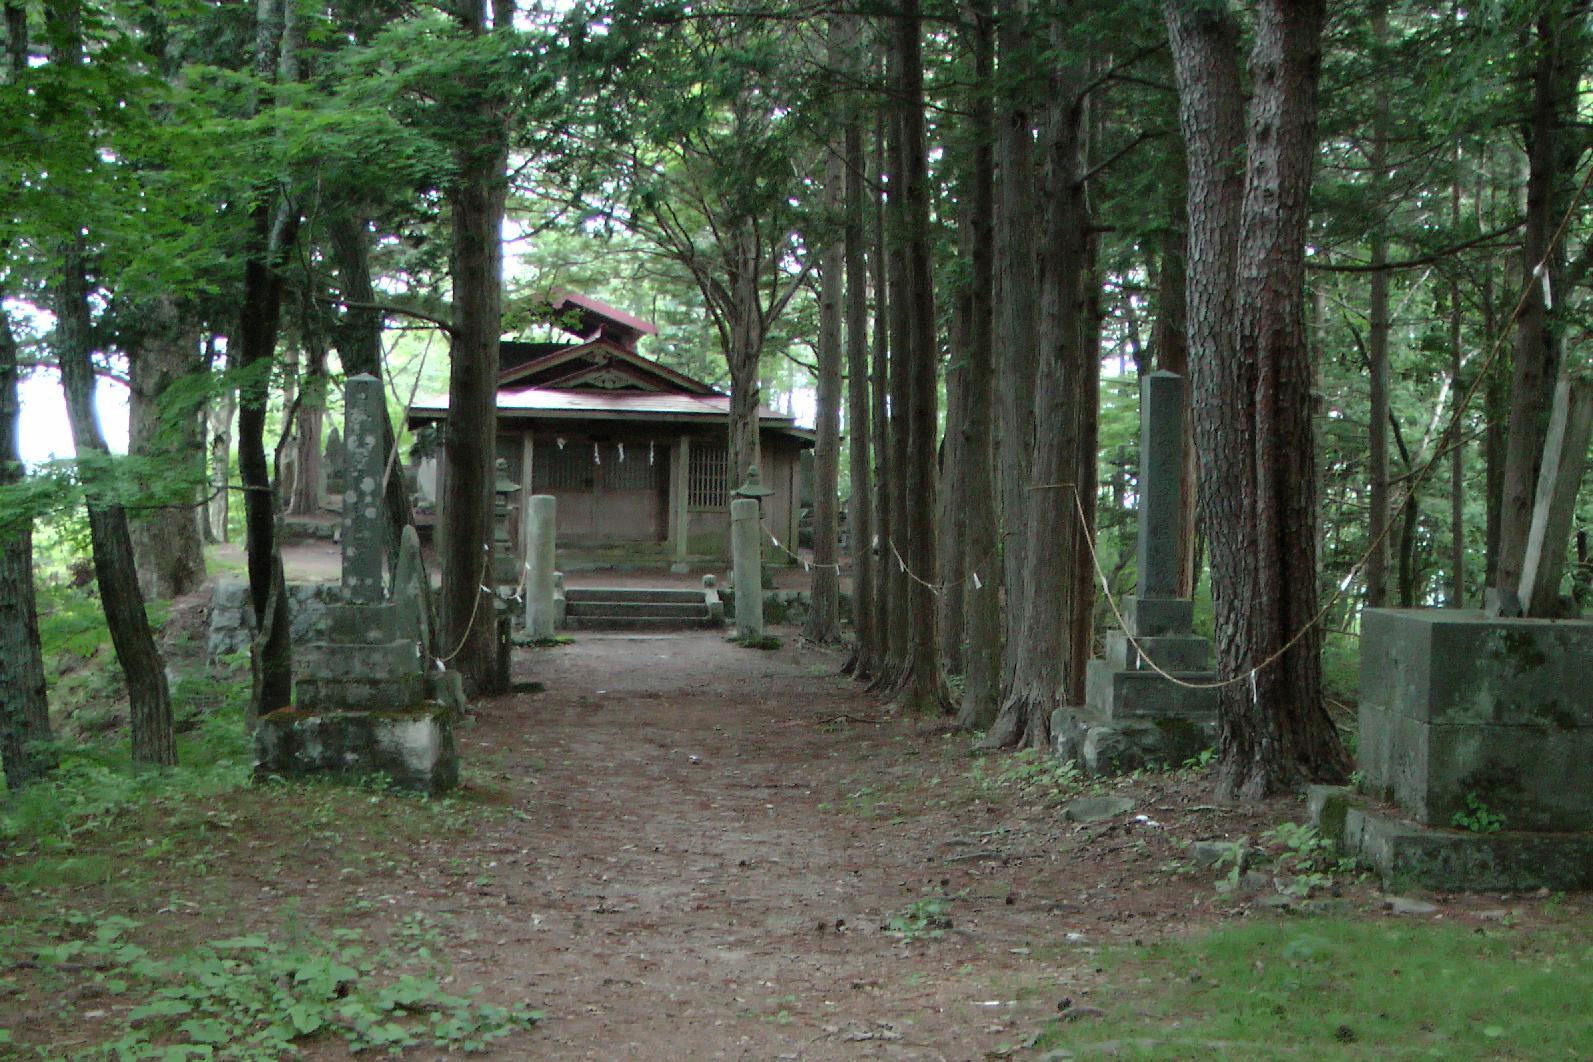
{"x": 613, "y": 622}
{"x": 1171, "y": 652}
{"x": 632, "y": 594}
{"x": 1116, "y": 694}
{"x": 659, "y": 609}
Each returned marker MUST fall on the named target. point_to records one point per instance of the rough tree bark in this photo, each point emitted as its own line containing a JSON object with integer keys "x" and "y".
{"x": 165, "y": 426}
{"x": 274, "y": 227}
{"x": 1252, "y": 378}
{"x": 982, "y": 618}
{"x": 825, "y": 616}
{"x": 859, "y": 418}
{"x": 1042, "y": 666}
{"x": 879, "y": 426}
{"x": 218, "y": 429}
{"x": 24, "y": 709}
{"x": 921, "y": 689}
{"x": 1457, "y": 450}
{"x": 476, "y": 199}
{"x": 1016, "y": 339}
{"x": 1377, "y": 340}
{"x": 1552, "y": 150}
{"x": 149, "y": 701}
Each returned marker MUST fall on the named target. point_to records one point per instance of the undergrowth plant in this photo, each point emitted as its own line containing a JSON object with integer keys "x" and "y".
{"x": 1477, "y": 817}
{"x": 254, "y": 997}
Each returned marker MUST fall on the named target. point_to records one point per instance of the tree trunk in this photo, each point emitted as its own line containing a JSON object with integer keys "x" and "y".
{"x": 1377, "y": 529}
{"x": 951, "y": 519}
{"x": 310, "y": 420}
{"x": 859, "y": 419}
{"x": 1252, "y": 381}
{"x": 1551, "y": 154}
{"x": 149, "y": 700}
{"x": 1042, "y": 651}
{"x": 920, "y": 688}
{"x": 1016, "y": 340}
{"x": 824, "y": 618}
{"x": 165, "y": 428}
{"x": 24, "y": 709}
{"x": 218, "y": 429}
{"x": 982, "y": 626}
{"x": 468, "y": 609}
{"x": 1457, "y": 449}
{"x": 275, "y": 226}
{"x": 884, "y": 315}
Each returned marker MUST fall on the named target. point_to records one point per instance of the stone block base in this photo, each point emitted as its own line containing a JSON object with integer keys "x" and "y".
{"x": 1102, "y": 746}
{"x": 1409, "y": 855}
{"x": 413, "y": 747}
{"x": 1115, "y": 694}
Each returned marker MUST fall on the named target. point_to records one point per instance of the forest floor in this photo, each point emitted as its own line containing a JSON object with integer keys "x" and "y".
{"x": 673, "y": 847}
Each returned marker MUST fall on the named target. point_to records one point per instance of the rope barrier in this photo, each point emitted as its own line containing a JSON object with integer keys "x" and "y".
{"x": 475, "y": 609}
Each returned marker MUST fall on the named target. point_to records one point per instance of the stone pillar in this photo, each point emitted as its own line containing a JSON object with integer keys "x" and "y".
{"x": 1161, "y": 459}
{"x": 746, "y": 554}
{"x": 539, "y": 558}
{"x": 363, "y": 561}
{"x": 679, "y": 498}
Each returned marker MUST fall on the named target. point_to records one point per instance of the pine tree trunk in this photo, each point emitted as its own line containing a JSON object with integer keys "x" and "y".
{"x": 922, "y": 689}
{"x": 310, "y": 420}
{"x": 24, "y": 709}
{"x": 1016, "y": 339}
{"x": 1457, "y": 450}
{"x": 884, "y": 315}
{"x": 218, "y": 421}
{"x": 1551, "y": 154}
{"x": 982, "y": 623}
{"x": 824, "y": 618}
{"x": 1377, "y": 529}
{"x": 166, "y": 538}
{"x": 951, "y": 519}
{"x": 859, "y": 414}
{"x": 1042, "y": 650}
{"x": 1248, "y": 353}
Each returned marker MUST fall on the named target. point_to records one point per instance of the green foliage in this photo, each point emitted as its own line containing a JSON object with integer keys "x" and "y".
{"x": 1346, "y": 989}
{"x": 253, "y": 997}
{"x": 1033, "y": 772}
{"x": 1477, "y": 818}
{"x": 763, "y": 641}
{"x": 1308, "y": 861}
{"x": 926, "y": 918}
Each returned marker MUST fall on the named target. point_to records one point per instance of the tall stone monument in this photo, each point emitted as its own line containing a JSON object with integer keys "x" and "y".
{"x": 366, "y": 701}
{"x": 541, "y": 519}
{"x": 1134, "y": 716}
{"x": 746, "y": 556}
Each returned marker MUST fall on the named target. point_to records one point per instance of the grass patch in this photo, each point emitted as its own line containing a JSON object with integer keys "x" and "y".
{"x": 1337, "y": 988}
{"x": 762, "y": 641}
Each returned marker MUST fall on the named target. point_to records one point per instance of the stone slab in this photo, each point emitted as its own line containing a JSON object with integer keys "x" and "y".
{"x": 360, "y": 694}
{"x": 415, "y": 748}
{"x": 1116, "y": 694}
{"x": 1173, "y": 652}
{"x": 1536, "y": 777}
{"x": 392, "y": 660}
{"x": 1102, "y": 746}
{"x": 1409, "y": 855}
{"x": 1149, "y": 617}
{"x": 1454, "y": 666}
{"x": 1161, "y": 465}
{"x": 364, "y": 624}
{"x": 363, "y": 547}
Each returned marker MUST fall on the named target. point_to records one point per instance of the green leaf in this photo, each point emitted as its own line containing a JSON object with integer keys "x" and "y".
{"x": 306, "y": 1019}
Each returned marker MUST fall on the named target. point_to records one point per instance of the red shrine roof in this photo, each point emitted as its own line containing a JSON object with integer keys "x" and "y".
{"x": 602, "y": 377}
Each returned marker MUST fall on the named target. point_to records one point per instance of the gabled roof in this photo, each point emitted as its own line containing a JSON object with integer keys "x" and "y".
{"x": 579, "y": 364}
{"x": 595, "y": 316}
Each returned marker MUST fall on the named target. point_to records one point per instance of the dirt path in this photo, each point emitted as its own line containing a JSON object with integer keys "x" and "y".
{"x": 706, "y": 854}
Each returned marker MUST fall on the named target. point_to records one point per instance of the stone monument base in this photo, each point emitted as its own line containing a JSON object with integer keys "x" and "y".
{"x": 1117, "y": 746}
{"x": 414, "y": 747}
{"x": 1407, "y": 854}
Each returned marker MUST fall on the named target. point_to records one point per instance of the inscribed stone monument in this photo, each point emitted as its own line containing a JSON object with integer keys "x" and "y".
{"x": 1134, "y": 716}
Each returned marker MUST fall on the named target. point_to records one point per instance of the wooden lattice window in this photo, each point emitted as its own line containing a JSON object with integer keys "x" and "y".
{"x": 628, "y": 467}
{"x": 706, "y": 476}
{"x": 566, "y": 468}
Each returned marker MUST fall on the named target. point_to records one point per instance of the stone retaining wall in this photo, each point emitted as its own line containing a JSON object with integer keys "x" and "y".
{"x": 232, "y": 618}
